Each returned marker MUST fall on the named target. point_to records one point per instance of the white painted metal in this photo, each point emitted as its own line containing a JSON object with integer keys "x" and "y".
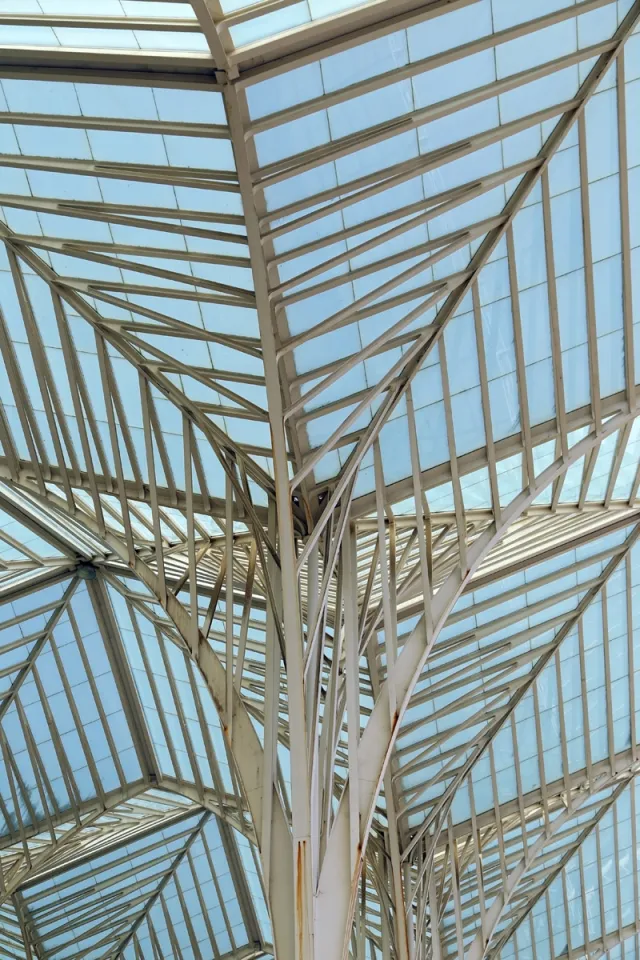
{"x": 312, "y": 607}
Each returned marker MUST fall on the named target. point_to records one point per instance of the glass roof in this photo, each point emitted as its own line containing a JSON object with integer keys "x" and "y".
{"x": 414, "y": 148}
{"x": 112, "y": 24}
{"x": 319, "y": 472}
{"x": 93, "y": 763}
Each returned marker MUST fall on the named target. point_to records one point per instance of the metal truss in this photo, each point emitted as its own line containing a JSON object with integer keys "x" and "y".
{"x": 318, "y": 577}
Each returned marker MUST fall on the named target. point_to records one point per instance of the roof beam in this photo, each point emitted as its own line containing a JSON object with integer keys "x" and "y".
{"x": 311, "y": 158}
{"x": 333, "y": 34}
{"x": 84, "y": 814}
{"x": 416, "y": 67}
{"x": 46, "y": 577}
{"x": 250, "y": 63}
{"x": 28, "y": 521}
{"x": 537, "y": 552}
{"x": 8, "y": 698}
{"x": 120, "y": 124}
{"x": 594, "y": 949}
{"x": 555, "y": 795}
{"x": 476, "y": 459}
{"x": 212, "y": 506}
{"x": 479, "y": 946}
{"x": 99, "y": 23}
{"x": 129, "y": 68}
{"x": 207, "y": 12}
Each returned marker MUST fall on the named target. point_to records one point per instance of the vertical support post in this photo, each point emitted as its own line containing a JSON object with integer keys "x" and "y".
{"x": 436, "y": 948}
{"x": 229, "y": 598}
{"x": 311, "y": 694}
{"x": 402, "y": 932}
{"x": 300, "y": 779}
{"x": 271, "y": 698}
{"x": 352, "y": 679}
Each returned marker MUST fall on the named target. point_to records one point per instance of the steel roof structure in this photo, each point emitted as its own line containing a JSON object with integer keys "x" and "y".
{"x": 319, "y": 475}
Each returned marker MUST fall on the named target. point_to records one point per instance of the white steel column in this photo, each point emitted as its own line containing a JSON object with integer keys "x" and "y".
{"x": 300, "y": 775}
